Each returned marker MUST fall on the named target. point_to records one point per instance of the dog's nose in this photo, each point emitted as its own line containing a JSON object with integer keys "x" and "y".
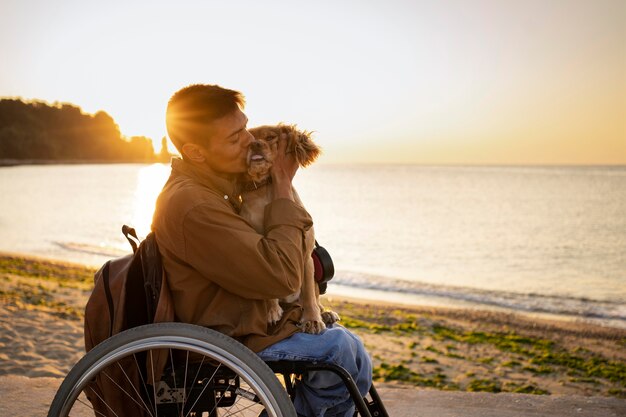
{"x": 256, "y": 145}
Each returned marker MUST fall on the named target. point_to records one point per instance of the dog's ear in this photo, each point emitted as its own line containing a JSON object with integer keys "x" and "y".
{"x": 307, "y": 151}
{"x": 300, "y": 142}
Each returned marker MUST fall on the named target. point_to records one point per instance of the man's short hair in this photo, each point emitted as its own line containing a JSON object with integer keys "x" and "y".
{"x": 192, "y": 109}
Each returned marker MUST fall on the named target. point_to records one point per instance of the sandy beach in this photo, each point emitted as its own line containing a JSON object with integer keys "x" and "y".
{"x": 41, "y": 305}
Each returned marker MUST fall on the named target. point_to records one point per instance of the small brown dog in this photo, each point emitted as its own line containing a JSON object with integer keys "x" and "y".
{"x": 258, "y": 193}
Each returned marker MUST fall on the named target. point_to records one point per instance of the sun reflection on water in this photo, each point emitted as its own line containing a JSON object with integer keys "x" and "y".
{"x": 150, "y": 181}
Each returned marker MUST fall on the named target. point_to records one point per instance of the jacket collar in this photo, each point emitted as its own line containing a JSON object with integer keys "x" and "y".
{"x": 207, "y": 179}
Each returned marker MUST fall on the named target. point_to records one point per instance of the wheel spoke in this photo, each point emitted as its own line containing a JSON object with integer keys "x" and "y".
{"x": 153, "y": 384}
{"x": 203, "y": 389}
{"x": 185, "y": 383}
{"x": 174, "y": 379}
{"x": 239, "y": 409}
{"x": 145, "y": 406}
{"x": 104, "y": 402}
{"x": 88, "y": 405}
{"x": 143, "y": 382}
{"x": 126, "y": 392}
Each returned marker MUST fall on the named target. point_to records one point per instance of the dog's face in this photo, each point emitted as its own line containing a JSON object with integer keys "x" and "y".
{"x": 263, "y": 149}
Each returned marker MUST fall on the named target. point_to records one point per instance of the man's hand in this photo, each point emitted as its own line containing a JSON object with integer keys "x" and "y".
{"x": 283, "y": 170}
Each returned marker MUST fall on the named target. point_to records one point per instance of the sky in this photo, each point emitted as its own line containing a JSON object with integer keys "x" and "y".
{"x": 429, "y": 82}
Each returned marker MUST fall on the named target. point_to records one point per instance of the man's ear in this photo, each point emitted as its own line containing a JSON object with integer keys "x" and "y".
{"x": 193, "y": 152}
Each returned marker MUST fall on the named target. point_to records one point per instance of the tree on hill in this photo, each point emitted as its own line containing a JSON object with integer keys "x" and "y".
{"x": 39, "y": 131}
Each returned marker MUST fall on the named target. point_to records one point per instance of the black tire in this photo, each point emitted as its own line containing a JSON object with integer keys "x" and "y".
{"x": 254, "y": 391}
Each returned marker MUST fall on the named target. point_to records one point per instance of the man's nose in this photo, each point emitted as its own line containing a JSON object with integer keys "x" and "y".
{"x": 248, "y": 139}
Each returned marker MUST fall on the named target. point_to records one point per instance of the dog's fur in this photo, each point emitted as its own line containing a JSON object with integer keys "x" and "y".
{"x": 257, "y": 193}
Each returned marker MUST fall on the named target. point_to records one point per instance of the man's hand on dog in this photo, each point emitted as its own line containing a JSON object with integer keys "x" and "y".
{"x": 283, "y": 170}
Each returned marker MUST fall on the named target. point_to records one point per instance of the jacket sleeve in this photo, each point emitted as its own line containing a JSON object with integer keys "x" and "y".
{"x": 224, "y": 248}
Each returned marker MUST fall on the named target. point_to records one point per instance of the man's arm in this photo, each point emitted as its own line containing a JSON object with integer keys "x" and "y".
{"x": 225, "y": 249}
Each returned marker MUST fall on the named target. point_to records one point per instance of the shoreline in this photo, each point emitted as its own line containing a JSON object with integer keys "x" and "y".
{"x": 42, "y": 302}
{"x": 412, "y": 300}
{"x": 368, "y": 295}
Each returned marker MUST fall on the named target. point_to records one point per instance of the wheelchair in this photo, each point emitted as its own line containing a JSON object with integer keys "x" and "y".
{"x": 184, "y": 370}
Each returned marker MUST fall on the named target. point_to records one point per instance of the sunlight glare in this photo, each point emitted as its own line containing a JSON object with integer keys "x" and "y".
{"x": 149, "y": 184}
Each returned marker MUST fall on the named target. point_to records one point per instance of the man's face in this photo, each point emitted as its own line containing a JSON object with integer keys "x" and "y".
{"x": 227, "y": 148}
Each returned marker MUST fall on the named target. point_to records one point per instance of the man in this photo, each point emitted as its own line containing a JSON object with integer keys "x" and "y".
{"x": 221, "y": 272}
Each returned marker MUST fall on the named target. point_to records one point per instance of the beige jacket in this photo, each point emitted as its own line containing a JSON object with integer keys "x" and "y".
{"x": 220, "y": 271}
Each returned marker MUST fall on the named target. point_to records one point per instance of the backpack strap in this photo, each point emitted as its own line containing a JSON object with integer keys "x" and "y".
{"x": 152, "y": 271}
{"x": 109, "y": 297}
{"x": 129, "y": 233}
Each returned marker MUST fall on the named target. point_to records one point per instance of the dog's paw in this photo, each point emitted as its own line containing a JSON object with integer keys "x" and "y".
{"x": 274, "y": 314}
{"x": 329, "y": 317}
{"x": 313, "y": 326}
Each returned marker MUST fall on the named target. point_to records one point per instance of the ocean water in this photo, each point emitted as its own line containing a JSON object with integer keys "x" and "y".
{"x": 538, "y": 240}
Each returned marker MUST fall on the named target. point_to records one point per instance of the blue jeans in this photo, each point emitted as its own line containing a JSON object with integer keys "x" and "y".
{"x": 322, "y": 393}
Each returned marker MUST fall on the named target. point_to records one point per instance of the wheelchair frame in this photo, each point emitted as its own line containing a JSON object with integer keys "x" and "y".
{"x": 366, "y": 408}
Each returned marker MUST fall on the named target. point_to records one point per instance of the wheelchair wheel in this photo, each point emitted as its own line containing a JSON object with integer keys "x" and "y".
{"x": 171, "y": 369}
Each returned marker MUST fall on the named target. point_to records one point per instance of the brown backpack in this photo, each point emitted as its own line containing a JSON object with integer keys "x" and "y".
{"x": 129, "y": 291}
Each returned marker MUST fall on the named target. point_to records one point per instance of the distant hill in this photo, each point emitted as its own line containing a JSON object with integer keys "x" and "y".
{"x": 36, "y": 131}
